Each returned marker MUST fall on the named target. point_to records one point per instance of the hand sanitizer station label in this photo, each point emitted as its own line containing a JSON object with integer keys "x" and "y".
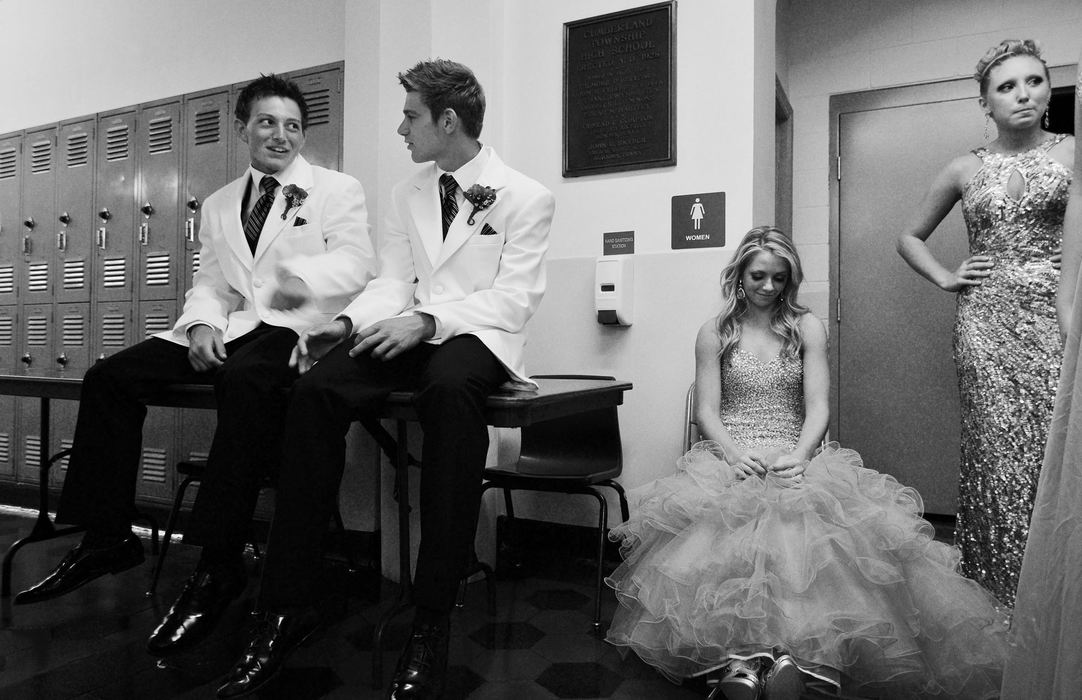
{"x": 698, "y": 220}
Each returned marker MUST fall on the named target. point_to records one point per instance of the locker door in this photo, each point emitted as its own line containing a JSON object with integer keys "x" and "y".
{"x": 114, "y": 207}
{"x": 206, "y": 167}
{"x": 239, "y": 156}
{"x": 71, "y": 351}
{"x": 158, "y": 456}
{"x": 323, "y": 137}
{"x": 36, "y": 348}
{"x": 38, "y": 215}
{"x": 10, "y": 157}
{"x": 74, "y": 211}
{"x": 8, "y": 324}
{"x": 113, "y": 330}
{"x": 157, "y": 246}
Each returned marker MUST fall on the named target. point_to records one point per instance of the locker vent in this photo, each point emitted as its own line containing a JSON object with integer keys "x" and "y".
{"x": 7, "y": 331}
{"x": 78, "y": 150}
{"x": 32, "y": 456}
{"x": 74, "y": 331}
{"x": 74, "y": 274}
{"x": 115, "y": 273}
{"x": 37, "y": 279}
{"x": 158, "y": 269}
{"x": 37, "y": 331}
{"x": 157, "y": 323}
{"x": 319, "y": 106}
{"x": 198, "y": 456}
{"x": 8, "y": 163}
{"x": 65, "y": 444}
{"x": 5, "y": 448}
{"x": 7, "y": 279}
{"x": 41, "y": 156}
{"x": 195, "y": 261}
{"x": 112, "y": 330}
{"x": 160, "y": 135}
{"x": 116, "y": 142}
{"x": 208, "y": 127}
{"x": 154, "y": 465}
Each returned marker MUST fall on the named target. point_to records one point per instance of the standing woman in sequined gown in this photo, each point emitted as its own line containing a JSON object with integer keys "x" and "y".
{"x": 1006, "y": 338}
{"x": 779, "y": 565}
{"x": 1046, "y": 637}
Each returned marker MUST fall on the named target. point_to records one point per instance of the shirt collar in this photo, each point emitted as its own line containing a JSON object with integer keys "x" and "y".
{"x": 468, "y": 174}
{"x": 284, "y": 177}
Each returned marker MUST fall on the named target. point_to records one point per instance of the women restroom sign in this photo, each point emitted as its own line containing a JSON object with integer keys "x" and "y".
{"x": 698, "y": 220}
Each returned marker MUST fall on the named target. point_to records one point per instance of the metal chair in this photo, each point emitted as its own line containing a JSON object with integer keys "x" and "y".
{"x": 573, "y": 455}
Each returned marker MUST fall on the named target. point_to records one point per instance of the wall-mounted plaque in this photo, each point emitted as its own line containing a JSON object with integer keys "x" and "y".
{"x": 619, "y": 91}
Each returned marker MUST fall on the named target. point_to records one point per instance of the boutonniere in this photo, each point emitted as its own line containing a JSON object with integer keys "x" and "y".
{"x": 295, "y": 197}
{"x": 481, "y": 197}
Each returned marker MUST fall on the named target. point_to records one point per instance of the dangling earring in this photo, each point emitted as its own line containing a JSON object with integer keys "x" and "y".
{"x": 740, "y": 292}
{"x": 1046, "y": 119}
{"x": 987, "y": 125}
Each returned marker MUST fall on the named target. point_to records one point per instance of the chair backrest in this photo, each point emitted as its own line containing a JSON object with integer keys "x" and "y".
{"x": 691, "y": 427}
{"x": 585, "y": 444}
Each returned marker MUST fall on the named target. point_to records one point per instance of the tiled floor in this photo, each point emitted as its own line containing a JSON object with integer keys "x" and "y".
{"x": 89, "y": 644}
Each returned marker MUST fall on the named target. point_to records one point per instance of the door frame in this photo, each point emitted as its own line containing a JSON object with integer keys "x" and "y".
{"x": 1062, "y": 77}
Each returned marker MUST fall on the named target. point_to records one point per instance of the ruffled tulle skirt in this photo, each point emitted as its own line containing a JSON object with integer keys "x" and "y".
{"x": 839, "y": 569}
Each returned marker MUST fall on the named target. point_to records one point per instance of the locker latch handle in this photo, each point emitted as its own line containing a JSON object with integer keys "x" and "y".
{"x": 27, "y": 245}
{"x": 61, "y": 240}
{"x": 144, "y": 233}
{"x": 189, "y": 230}
{"x": 101, "y": 237}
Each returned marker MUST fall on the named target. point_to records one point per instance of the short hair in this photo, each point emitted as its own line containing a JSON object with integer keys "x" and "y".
{"x": 1008, "y": 48}
{"x": 270, "y": 86}
{"x": 444, "y": 84}
{"x": 785, "y": 318}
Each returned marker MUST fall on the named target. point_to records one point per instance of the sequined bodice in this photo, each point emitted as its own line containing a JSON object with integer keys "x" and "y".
{"x": 762, "y": 403}
{"x": 1021, "y": 232}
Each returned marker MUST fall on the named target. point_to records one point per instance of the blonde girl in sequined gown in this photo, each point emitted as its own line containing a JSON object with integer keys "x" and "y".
{"x": 1006, "y": 340}
{"x": 776, "y": 563}
{"x": 1046, "y": 629}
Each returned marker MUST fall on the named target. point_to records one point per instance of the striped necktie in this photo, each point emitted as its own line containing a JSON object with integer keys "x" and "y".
{"x": 262, "y": 207}
{"x": 448, "y": 203}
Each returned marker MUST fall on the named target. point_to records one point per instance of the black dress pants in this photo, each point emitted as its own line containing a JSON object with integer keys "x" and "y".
{"x": 99, "y": 489}
{"x": 452, "y": 382}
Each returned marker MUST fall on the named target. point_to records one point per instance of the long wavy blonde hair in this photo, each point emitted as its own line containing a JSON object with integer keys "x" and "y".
{"x": 785, "y": 319}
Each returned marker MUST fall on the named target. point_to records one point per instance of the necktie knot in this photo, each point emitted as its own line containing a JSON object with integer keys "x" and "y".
{"x": 267, "y": 184}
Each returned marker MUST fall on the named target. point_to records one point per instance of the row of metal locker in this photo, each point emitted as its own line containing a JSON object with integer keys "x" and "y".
{"x": 98, "y": 243}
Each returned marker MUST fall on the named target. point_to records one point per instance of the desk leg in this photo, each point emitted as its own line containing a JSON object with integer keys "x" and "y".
{"x": 43, "y": 526}
{"x": 402, "y": 463}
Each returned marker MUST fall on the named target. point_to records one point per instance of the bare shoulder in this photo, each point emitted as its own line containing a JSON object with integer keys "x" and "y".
{"x": 1063, "y": 152}
{"x": 812, "y": 329}
{"x": 707, "y": 339}
{"x": 961, "y": 170}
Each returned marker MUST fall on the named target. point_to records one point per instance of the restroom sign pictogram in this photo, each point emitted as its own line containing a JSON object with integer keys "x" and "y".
{"x": 698, "y": 220}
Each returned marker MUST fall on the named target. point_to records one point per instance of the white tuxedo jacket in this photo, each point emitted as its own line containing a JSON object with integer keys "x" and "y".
{"x": 485, "y": 279}
{"x": 325, "y": 242}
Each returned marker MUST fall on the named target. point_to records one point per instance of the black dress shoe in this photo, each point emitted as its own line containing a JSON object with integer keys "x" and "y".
{"x": 194, "y": 615}
{"x": 274, "y": 637}
{"x": 422, "y": 668}
{"x": 82, "y": 565}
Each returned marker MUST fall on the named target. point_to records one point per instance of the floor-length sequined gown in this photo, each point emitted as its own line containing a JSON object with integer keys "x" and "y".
{"x": 1007, "y": 351}
{"x": 838, "y": 569}
{"x": 1046, "y": 629}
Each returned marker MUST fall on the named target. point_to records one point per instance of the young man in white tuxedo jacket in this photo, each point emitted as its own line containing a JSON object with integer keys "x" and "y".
{"x": 461, "y": 272}
{"x": 276, "y": 258}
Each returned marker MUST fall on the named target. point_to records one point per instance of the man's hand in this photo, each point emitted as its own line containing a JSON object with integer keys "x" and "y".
{"x": 389, "y": 338}
{"x": 317, "y": 341}
{"x": 292, "y": 292}
{"x": 206, "y": 350}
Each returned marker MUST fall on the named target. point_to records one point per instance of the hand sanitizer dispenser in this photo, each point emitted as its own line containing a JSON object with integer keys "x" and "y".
{"x": 614, "y": 288}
